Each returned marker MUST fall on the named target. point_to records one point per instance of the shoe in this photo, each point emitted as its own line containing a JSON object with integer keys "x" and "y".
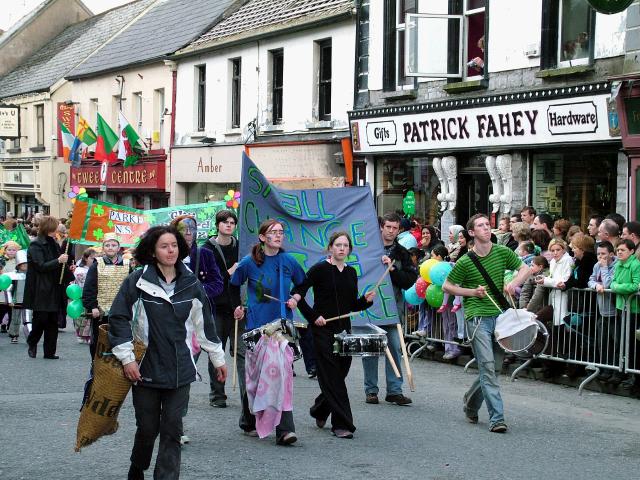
{"x": 372, "y": 398}
{"x": 628, "y": 383}
{"x": 455, "y": 308}
{"x": 450, "y": 356}
{"x": 288, "y": 438}
{"x": 135, "y": 473}
{"x": 218, "y": 403}
{"x": 184, "y": 439}
{"x": 420, "y": 333}
{"x": 313, "y": 374}
{"x": 3, "y": 328}
{"x": 431, "y": 347}
{"x": 51, "y": 357}
{"x": 320, "y": 423}
{"x": 32, "y": 350}
{"x": 616, "y": 379}
{"x": 79, "y": 339}
{"x": 398, "y": 399}
{"x": 250, "y": 433}
{"x": 441, "y": 309}
{"x": 468, "y": 414}
{"x": 14, "y": 340}
{"x": 499, "y": 427}
{"x": 340, "y": 433}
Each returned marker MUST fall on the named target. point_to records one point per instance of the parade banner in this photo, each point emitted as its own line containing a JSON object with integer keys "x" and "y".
{"x": 93, "y": 219}
{"x": 309, "y": 217}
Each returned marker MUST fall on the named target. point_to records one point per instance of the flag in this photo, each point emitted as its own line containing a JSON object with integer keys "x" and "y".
{"x": 85, "y": 136}
{"x": 105, "y": 141}
{"x": 67, "y": 141}
{"x": 130, "y": 145}
{"x": 18, "y": 235}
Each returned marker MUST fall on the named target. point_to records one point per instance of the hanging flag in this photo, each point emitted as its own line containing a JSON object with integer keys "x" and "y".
{"x": 67, "y": 141}
{"x": 105, "y": 141}
{"x": 130, "y": 145}
{"x": 85, "y": 136}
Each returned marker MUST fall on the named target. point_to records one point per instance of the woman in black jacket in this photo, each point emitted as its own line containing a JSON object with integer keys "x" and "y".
{"x": 43, "y": 292}
{"x": 335, "y": 292}
{"x": 161, "y": 306}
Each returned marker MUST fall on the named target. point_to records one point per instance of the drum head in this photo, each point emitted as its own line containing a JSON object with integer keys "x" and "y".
{"x": 521, "y": 340}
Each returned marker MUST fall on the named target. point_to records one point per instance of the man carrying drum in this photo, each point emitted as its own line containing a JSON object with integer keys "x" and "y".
{"x": 469, "y": 279}
{"x": 269, "y": 273}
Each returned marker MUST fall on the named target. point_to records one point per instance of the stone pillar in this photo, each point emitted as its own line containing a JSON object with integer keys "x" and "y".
{"x": 632, "y": 40}
{"x": 450, "y": 169}
{"x": 494, "y": 198}
{"x": 622, "y": 185}
{"x": 444, "y": 188}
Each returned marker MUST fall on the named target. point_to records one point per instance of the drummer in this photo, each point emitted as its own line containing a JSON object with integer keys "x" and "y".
{"x": 268, "y": 272}
{"x": 468, "y": 280}
{"x": 335, "y": 292}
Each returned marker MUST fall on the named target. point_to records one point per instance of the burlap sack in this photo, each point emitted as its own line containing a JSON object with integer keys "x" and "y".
{"x": 99, "y": 414}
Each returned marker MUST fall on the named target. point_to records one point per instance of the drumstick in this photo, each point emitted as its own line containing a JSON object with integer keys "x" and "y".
{"x": 235, "y": 355}
{"x": 375, "y": 287}
{"x": 66, "y": 251}
{"x": 391, "y": 361}
{"x": 338, "y": 317}
{"x": 490, "y": 298}
{"x": 405, "y": 356}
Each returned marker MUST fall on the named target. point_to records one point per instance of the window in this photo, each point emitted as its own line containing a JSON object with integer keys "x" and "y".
{"x": 158, "y": 117}
{"x": 40, "y": 125}
{"x": 236, "y": 82}
{"x": 16, "y": 143}
{"x": 404, "y": 7}
{"x": 93, "y": 109}
{"x": 568, "y": 28}
{"x": 137, "y": 109}
{"x": 324, "y": 80}
{"x": 363, "y": 46}
{"x": 201, "y": 78}
{"x": 277, "y": 81}
{"x": 461, "y": 25}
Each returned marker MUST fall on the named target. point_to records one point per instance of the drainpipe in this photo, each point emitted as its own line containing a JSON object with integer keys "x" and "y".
{"x": 173, "y": 66}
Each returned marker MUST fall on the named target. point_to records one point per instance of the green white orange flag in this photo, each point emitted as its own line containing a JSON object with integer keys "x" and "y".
{"x": 130, "y": 145}
{"x": 106, "y": 141}
{"x": 67, "y": 140}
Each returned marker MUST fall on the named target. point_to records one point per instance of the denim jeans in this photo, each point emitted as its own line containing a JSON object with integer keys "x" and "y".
{"x": 370, "y": 366}
{"x": 489, "y": 356}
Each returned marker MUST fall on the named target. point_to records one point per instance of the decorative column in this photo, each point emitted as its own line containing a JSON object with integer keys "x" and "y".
{"x": 442, "y": 196}
{"x": 496, "y": 182}
{"x": 503, "y": 165}
{"x": 450, "y": 168}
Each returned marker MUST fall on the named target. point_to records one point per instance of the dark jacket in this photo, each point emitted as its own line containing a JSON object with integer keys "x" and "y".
{"x": 208, "y": 272}
{"x": 90, "y": 289}
{"x": 404, "y": 273}
{"x": 165, "y": 324}
{"x": 43, "y": 289}
{"x": 225, "y": 297}
{"x": 579, "y": 278}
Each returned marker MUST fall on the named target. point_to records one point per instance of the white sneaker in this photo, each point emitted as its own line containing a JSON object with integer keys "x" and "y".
{"x": 420, "y": 333}
{"x": 184, "y": 440}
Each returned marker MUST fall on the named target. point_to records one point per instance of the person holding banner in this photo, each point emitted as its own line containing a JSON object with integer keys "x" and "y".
{"x": 403, "y": 275}
{"x": 269, "y": 273}
{"x": 161, "y": 305}
{"x": 335, "y": 292}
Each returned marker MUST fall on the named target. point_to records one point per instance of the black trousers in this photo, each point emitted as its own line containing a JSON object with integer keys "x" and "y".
{"x": 332, "y": 371}
{"x": 44, "y": 323}
{"x": 159, "y": 411}
{"x": 225, "y": 324}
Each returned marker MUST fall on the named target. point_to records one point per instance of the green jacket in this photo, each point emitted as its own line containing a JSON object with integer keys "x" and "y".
{"x": 626, "y": 281}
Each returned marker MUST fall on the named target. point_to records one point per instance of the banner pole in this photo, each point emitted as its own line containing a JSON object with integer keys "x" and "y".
{"x": 405, "y": 357}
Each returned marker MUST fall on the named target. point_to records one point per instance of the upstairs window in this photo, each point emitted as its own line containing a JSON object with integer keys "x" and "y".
{"x": 404, "y": 7}
{"x": 201, "y": 89}
{"x": 40, "y": 126}
{"x": 277, "y": 84}
{"x": 460, "y": 25}
{"x": 568, "y": 30}
{"x": 236, "y": 72}
{"x": 324, "y": 80}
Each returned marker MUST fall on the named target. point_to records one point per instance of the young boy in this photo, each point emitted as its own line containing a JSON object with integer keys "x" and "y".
{"x": 532, "y": 295}
{"x": 19, "y": 316}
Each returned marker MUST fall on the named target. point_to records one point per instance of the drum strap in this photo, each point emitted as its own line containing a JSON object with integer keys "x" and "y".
{"x": 499, "y": 297}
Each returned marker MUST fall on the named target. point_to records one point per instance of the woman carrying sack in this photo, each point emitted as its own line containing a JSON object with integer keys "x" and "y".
{"x": 169, "y": 304}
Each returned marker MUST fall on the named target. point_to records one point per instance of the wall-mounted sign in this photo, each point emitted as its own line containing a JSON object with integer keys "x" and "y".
{"x": 145, "y": 176}
{"x": 609, "y": 6}
{"x": 9, "y": 121}
{"x": 566, "y": 120}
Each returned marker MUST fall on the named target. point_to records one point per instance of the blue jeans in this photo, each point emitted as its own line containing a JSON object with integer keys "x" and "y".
{"x": 489, "y": 356}
{"x": 370, "y": 366}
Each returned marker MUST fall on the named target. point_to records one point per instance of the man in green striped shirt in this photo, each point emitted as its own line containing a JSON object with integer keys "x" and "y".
{"x": 480, "y": 315}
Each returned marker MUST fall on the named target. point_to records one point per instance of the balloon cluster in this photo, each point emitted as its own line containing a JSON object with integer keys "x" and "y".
{"x": 75, "y": 308}
{"x": 232, "y": 198}
{"x": 428, "y": 287}
{"x": 77, "y": 192}
{"x": 5, "y": 282}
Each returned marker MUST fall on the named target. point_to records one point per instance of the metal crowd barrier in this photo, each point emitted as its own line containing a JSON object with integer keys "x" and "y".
{"x": 632, "y": 335}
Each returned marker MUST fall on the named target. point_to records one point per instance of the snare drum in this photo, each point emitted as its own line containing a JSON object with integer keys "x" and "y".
{"x": 527, "y": 343}
{"x": 281, "y": 326}
{"x": 363, "y": 341}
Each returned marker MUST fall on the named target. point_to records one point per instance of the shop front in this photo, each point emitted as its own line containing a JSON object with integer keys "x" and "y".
{"x": 139, "y": 186}
{"x": 552, "y": 148}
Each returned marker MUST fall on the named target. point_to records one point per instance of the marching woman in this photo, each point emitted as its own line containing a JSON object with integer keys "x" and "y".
{"x": 161, "y": 305}
{"x": 269, "y": 273}
{"x": 335, "y": 293}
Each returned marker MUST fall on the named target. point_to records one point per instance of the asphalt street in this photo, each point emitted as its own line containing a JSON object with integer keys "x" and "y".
{"x": 554, "y": 433}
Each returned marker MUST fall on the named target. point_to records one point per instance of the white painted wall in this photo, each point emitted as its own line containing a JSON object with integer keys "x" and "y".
{"x": 300, "y": 80}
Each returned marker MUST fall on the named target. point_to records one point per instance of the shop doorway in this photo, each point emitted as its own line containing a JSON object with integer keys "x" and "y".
{"x": 474, "y": 188}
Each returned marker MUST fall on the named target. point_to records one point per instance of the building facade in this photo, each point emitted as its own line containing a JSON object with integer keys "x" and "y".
{"x": 488, "y": 106}
{"x": 275, "y": 85}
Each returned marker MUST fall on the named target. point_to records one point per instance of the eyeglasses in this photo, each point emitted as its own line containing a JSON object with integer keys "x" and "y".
{"x": 275, "y": 233}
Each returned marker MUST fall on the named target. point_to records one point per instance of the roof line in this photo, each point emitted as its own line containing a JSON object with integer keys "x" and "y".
{"x": 262, "y": 36}
{"x": 128, "y": 66}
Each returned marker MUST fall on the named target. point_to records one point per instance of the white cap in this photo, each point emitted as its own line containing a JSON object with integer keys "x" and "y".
{"x": 21, "y": 257}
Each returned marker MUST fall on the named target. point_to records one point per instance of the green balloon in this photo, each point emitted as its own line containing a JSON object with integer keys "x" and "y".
{"x": 5, "y": 282}
{"x": 74, "y": 292}
{"x": 434, "y": 295}
{"x": 75, "y": 309}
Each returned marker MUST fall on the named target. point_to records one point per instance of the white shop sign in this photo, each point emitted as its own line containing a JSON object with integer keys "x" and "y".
{"x": 9, "y": 121}
{"x": 565, "y": 120}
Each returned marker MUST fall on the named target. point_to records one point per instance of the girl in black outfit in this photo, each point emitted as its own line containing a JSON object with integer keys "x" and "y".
{"x": 335, "y": 291}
